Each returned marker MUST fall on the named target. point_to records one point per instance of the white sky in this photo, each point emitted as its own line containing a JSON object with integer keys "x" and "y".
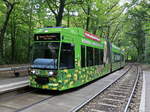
{"x": 124, "y": 1}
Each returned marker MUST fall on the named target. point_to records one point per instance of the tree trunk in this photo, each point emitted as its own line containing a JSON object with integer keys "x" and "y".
{"x": 60, "y": 13}
{"x": 1, "y": 45}
{"x": 88, "y": 17}
{"x": 68, "y": 20}
{"x": 4, "y": 26}
{"x": 30, "y": 31}
{"x": 13, "y": 39}
{"x": 141, "y": 43}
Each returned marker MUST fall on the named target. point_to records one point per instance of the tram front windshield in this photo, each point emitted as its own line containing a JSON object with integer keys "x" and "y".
{"x": 45, "y": 55}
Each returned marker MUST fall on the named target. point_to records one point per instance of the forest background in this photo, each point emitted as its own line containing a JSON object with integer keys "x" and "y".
{"x": 126, "y": 24}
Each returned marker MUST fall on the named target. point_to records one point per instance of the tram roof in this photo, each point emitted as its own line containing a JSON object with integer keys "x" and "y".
{"x": 78, "y": 32}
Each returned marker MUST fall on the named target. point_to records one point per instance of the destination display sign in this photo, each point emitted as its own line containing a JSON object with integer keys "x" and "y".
{"x": 47, "y": 37}
{"x": 91, "y": 36}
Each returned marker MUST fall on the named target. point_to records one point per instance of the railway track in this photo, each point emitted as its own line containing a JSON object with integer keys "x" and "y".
{"x": 31, "y": 100}
{"x": 116, "y": 98}
{"x": 27, "y": 95}
{"x": 9, "y": 83}
{"x": 15, "y": 93}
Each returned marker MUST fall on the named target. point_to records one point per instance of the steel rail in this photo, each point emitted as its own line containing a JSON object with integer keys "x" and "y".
{"x": 23, "y": 94}
{"x": 133, "y": 89}
{"x": 26, "y": 107}
{"x": 88, "y": 100}
{"x": 17, "y": 95}
{"x": 49, "y": 97}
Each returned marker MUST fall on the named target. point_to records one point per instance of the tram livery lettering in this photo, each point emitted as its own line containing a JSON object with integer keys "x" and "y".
{"x": 47, "y": 37}
{"x": 86, "y": 41}
{"x": 91, "y": 43}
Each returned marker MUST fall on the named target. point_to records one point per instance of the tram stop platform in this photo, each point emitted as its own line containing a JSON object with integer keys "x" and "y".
{"x": 10, "y": 84}
{"x": 145, "y": 96}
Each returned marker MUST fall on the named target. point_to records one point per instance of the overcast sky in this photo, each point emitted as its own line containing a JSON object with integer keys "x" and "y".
{"x": 124, "y": 1}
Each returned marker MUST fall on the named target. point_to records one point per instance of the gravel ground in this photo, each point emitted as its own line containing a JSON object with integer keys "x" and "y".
{"x": 135, "y": 103}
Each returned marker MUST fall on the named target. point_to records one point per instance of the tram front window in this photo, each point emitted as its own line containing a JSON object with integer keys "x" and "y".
{"x": 45, "y": 55}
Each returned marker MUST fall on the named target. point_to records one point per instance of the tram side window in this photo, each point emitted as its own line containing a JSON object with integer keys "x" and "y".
{"x": 122, "y": 57}
{"x": 94, "y": 56}
{"x": 97, "y": 57}
{"x": 67, "y": 56}
{"x": 117, "y": 57}
{"x": 101, "y": 56}
{"x": 83, "y": 56}
{"x": 89, "y": 56}
{"x": 113, "y": 57}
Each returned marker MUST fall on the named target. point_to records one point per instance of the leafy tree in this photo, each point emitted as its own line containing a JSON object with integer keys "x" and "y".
{"x": 136, "y": 32}
{"x": 125, "y": 26}
{"x": 9, "y": 7}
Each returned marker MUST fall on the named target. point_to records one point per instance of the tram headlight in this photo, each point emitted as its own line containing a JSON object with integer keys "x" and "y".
{"x": 33, "y": 71}
{"x": 52, "y": 73}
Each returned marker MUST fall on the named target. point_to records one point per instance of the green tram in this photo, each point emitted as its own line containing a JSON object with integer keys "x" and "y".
{"x": 65, "y": 58}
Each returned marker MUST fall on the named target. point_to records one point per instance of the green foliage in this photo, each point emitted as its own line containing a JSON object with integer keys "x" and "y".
{"x": 134, "y": 29}
{"x": 126, "y": 25}
{"x": 2, "y": 12}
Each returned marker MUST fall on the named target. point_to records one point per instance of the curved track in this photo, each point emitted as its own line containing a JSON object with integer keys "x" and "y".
{"x": 65, "y": 101}
{"x": 115, "y": 98}
{"x": 24, "y": 98}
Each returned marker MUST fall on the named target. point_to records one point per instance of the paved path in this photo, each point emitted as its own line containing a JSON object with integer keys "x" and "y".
{"x": 13, "y": 83}
{"x": 147, "y": 91}
{"x": 145, "y": 97}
